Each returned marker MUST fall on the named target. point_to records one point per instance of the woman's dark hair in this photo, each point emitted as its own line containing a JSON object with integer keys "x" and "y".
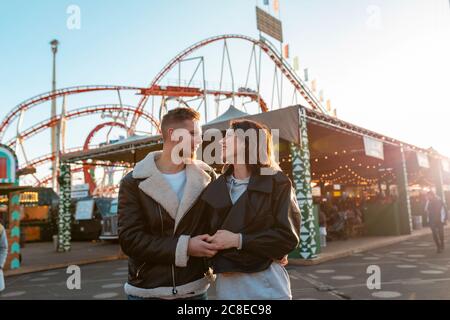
{"x": 263, "y": 148}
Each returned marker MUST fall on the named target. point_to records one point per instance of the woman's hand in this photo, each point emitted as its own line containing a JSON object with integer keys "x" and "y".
{"x": 284, "y": 261}
{"x": 224, "y": 239}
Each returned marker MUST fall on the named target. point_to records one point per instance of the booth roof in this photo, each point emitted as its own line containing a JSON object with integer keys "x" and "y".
{"x": 286, "y": 120}
{"x": 129, "y": 150}
{"x": 230, "y": 114}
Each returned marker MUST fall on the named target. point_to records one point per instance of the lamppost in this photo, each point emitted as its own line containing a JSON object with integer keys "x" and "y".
{"x": 54, "y": 129}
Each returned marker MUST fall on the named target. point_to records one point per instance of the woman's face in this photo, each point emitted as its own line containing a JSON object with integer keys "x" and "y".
{"x": 232, "y": 145}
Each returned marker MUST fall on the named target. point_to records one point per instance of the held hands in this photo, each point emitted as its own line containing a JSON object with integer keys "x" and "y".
{"x": 224, "y": 239}
{"x": 208, "y": 246}
{"x": 200, "y": 247}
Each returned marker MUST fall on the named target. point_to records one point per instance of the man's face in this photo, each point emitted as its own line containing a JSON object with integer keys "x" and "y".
{"x": 186, "y": 135}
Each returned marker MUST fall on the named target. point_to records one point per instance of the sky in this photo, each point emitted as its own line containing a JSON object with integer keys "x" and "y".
{"x": 383, "y": 63}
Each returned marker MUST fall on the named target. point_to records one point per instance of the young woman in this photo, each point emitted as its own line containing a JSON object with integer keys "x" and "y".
{"x": 254, "y": 218}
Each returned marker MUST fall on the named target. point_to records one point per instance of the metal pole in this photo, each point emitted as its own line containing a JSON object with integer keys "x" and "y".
{"x": 204, "y": 89}
{"x": 54, "y": 129}
{"x": 280, "y": 97}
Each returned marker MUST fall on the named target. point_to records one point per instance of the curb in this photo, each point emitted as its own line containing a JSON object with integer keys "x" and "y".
{"x": 27, "y": 270}
{"x": 368, "y": 247}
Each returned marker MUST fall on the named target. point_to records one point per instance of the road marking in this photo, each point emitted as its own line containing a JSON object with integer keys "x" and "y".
{"x": 325, "y": 271}
{"x": 13, "y": 294}
{"x": 386, "y": 294}
{"x": 112, "y": 286}
{"x": 342, "y": 277}
{"x": 39, "y": 279}
{"x": 416, "y": 256}
{"x": 406, "y": 266}
{"x": 107, "y": 295}
{"x": 432, "y": 272}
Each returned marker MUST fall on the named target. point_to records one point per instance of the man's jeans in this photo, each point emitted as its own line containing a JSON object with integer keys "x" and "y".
{"x": 199, "y": 297}
{"x": 438, "y": 235}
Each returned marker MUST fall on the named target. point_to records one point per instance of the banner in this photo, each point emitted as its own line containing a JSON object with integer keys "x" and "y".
{"x": 329, "y": 105}
{"x": 314, "y": 85}
{"x": 445, "y": 165}
{"x": 296, "y": 64}
{"x": 276, "y": 6}
{"x": 286, "y": 51}
{"x": 422, "y": 160}
{"x": 373, "y": 148}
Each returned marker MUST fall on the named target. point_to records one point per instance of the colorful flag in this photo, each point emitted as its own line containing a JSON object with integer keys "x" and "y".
{"x": 276, "y": 5}
{"x": 286, "y": 51}
{"x": 306, "y": 75}
{"x": 296, "y": 64}
{"x": 314, "y": 85}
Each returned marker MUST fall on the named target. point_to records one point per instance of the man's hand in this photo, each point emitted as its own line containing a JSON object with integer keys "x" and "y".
{"x": 199, "y": 247}
{"x": 224, "y": 239}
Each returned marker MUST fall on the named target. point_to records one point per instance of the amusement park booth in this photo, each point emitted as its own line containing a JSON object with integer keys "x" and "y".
{"x": 427, "y": 172}
{"x": 39, "y": 208}
{"x": 124, "y": 153}
{"x": 10, "y": 209}
{"x": 332, "y": 163}
{"x": 338, "y": 166}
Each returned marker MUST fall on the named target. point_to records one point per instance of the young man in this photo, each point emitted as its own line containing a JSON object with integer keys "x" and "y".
{"x": 160, "y": 228}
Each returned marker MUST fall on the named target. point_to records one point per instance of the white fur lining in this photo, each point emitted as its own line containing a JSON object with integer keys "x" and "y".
{"x": 156, "y": 186}
{"x": 181, "y": 253}
{"x": 191, "y": 289}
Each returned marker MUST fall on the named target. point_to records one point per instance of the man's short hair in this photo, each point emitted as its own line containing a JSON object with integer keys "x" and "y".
{"x": 176, "y": 116}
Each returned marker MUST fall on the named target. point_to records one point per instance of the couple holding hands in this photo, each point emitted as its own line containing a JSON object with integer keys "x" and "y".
{"x": 182, "y": 226}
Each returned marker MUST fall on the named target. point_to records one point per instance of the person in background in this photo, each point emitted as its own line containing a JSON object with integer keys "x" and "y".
{"x": 437, "y": 218}
{"x": 323, "y": 228}
{"x": 3, "y": 255}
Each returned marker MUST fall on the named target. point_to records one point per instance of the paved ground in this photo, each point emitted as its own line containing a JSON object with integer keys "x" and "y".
{"x": 409, "y": 270}
{"x": 42, "y": 256}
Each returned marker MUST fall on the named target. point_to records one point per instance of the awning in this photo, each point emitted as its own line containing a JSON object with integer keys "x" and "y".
{"x": 127, "y": 151}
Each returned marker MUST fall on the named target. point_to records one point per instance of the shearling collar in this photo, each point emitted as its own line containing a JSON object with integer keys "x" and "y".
{"x": 156, "y": 186}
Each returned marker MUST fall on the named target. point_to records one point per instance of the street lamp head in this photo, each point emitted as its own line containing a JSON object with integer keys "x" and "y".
{"x": 54, "y": 43}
